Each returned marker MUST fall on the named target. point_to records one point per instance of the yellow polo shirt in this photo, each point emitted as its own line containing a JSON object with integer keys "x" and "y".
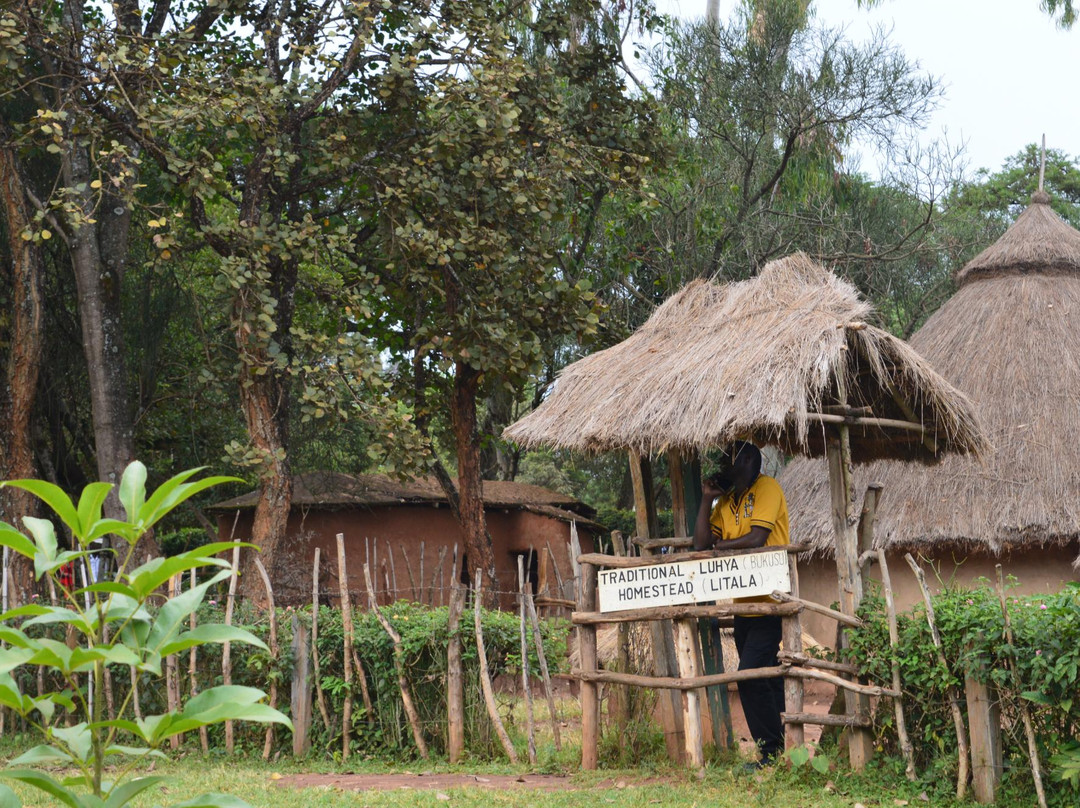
{"x": 763, "y": 505}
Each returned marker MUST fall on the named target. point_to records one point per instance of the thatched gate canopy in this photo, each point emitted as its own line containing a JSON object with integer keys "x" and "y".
{"x": 771, "y": 360}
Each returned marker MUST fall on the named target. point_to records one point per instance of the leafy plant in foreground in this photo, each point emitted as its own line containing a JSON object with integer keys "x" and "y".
{"x": 112, "y": 626}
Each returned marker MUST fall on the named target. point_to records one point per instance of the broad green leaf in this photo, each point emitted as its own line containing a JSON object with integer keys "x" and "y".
{"x": 186, "y": 722}
{"x": 46, "y": 706}
{"x": 123, "y": 794}
{"x": 213, "y": 800}
{"x": 41, "y": 754}
{"x": 8, "y": 799}
{"x": 43, "y": 782}
{"x": 16, "y": 637}
{"x": 55, "y": 498}
{"x": 77, "y": 738}
{"x": 90, "y": 502}
{"x": 820, "y": 763}
{"x": 30, "y": 610}
{"x": 10, "y": 537}
{"x": 799, "y": 755}
{"x": 114, "y": 654}
{"x": 155, "y": 573}
{"x": 119, "y": 723}
{"x": 52, "y": 653}
{"x": 176, "y": 610}
{"x": 133, "y": 489}
{"x": 105, "y": 527}
{"x": 174, "y": 493}
{"x": 10, "y": 696}
{"x": 12, "y": 658}
{"x": 211, "y": 633}
{"x": 109, "y": 587}
{"x": 43, "y": 565}
{"x": 135, "y": 751}
{"x": 60, "y": 614}
{"x": 44, "y": 533}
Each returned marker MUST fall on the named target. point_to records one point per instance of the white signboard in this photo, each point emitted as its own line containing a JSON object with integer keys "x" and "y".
{"x": 700, "y": 581}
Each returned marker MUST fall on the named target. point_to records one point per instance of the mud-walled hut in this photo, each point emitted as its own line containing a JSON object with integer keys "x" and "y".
{"x": 406, "y": 533}
{"x": 1010, "y": 339}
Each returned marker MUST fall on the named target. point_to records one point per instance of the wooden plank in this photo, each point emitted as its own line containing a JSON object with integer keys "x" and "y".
{"x": 839, "y": 617}
{"x": 300, "y": 695}
{"x": 455, "y": 672}
{"x": 530, "y": 720}
{"x": 984, "y": 727}
{"x": 821, "y": 664}
{"x": 652, "y": 559}
{"x": 685, "y": 611}
{"x": 275, "y": 653}
{"x": 791, "y": 638}
{"x": 317, "y": 674}
{"x": 904, "y": 739}
{"x": 347, "y": 645}
{"x": 226, "y": 648}
{"x": 661, "y": 632}
{"x": 590, "y": 697}
{"x": 825, "y": 720}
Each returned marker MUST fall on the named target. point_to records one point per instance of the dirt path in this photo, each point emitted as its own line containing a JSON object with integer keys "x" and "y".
{"x": 431, "y": 780}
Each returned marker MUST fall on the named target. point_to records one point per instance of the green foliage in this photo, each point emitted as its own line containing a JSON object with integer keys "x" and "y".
{"x": 1045, "y": 653}
{"x": 111, "y": 625}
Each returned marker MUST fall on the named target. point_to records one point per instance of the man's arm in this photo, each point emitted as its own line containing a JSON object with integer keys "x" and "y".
{"x": 703, "y": 535}
{"x": 757, "y": 537}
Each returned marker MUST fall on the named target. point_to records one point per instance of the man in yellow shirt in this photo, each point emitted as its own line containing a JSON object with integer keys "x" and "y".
{"x": 749, "y": 511}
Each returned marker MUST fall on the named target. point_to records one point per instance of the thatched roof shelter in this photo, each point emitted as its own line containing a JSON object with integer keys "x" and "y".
{"x": 1009, "y": 339}
{"x": 760, "y": 360}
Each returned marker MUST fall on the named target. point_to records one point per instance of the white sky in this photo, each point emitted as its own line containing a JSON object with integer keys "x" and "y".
{"x": 1009, "y": 74}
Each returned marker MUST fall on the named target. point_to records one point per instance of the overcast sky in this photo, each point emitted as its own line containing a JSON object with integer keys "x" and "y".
{"x": 1009, "y": 74}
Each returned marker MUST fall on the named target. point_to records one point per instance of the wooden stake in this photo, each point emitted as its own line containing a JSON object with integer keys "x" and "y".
{"x": 393, "y": 569}
{"x": 530, "y": 720}
{"x": 590, "y": 695}
{"x": 455, "y": 675}
{"x": 408, "y": 569}
{"x": 421, "y": 576}
{"x": 433, "y": 586}
{"x": 791, "y": 636}
{"x": 906, "y": 748}
{"x": 226, "y": 649}
{"x": 172, "y": 686}
{"x": 661, "y": 633}
{"x": 193, "y": 686}
{"x": 319, "y": 695}
{"x": 485, "y": 672}
{"x": 1025, "y": 714}
{"x": 346, "y": 655}
{"x": 275, "y": 652}
{"x": 538, "y": 639}
{"x": 399, "y": 667}
{"x": 300, "y": 696}
{"x": 954, "y": 698}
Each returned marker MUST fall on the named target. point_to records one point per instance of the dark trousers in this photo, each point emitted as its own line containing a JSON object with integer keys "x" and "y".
{"x": 758, "y": 641}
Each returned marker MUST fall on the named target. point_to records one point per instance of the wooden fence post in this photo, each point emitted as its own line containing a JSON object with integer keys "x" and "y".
{"x": 455, "y": 675}
{"x": 300, "y": 700}
{"x": 316, "y": 673}
{"x": 794, "y": 734}
{"x": 485, "y": 672}
{"x": 204, "y": 737}
{"x": 530, "y": 720}
{"x": 984, "y": 727}
{"x": 275, "y": 652}
{"x": 347, "y": 644}
{"x": 590, "y": 698}
{"x": 894, "y": 642}
{"x": 226, "y": 650}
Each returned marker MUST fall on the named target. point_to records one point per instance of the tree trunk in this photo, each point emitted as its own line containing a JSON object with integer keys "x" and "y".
{"x": 23, "y": 360}
{"x": 470, "y": 484}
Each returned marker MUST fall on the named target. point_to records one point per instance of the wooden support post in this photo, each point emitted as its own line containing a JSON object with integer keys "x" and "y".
{"x": 347, "y": 643}
{"x": 906, "y": 748}
{"x": 954, "y": 699}
{"x": 455, "y": 674}
{"x": 485, "y": 672}
{"x": 204, "y": 737}
{"x": 300, "y": 700}
{"x": 538, "y": 639}
{"x": 316, "y": 673}
{"x": 687, "y": 650}
{"x": 226, "y": 648}
{"x": 399, "y": 667}
{"x": 663, "y": 643}
{"x": 984, "y": 726}
{"x": 275, "y": 651}
{"x": 1025, "y": 713}
{"x": 530, "y": 719}
{"x": 590, "y": 699}
{"x": 172, "y": 684}
{"x": 792, "y": 643}
{"x": 849, "y": 575}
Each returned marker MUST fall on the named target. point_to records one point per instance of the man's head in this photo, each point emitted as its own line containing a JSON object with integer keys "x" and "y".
{"x": 745, "y": 464}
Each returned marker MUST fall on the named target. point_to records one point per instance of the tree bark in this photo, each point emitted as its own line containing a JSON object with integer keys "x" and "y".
{"x": 470, "y": 485}
{"x": 23, "y": 359}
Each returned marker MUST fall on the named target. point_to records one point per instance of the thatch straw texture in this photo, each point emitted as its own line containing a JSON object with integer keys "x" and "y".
{"x": 1039, "y": 241}
{"x": 1010, "y": 341}
{"x": 751, "y": 360}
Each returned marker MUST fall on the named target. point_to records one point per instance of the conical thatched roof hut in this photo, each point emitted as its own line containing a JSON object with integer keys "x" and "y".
{"x": 757, "y": 360}
{"x": 1009, "y": 339}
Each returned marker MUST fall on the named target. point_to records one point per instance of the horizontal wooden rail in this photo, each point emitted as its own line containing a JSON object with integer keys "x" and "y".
{"x": 626, "y": 562}
{"x": 846, "y": 619}
{"x": 675, "y": 683}
{"x": 821, "y": 664}
{"x": 686, "y": 611}
{"x": 542, "y": 600}
{"x": 854, "y": 687}
{"x": 855, "y": 420}
{"x": 656, "y": 544}
{"x": 826, "y": 720}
